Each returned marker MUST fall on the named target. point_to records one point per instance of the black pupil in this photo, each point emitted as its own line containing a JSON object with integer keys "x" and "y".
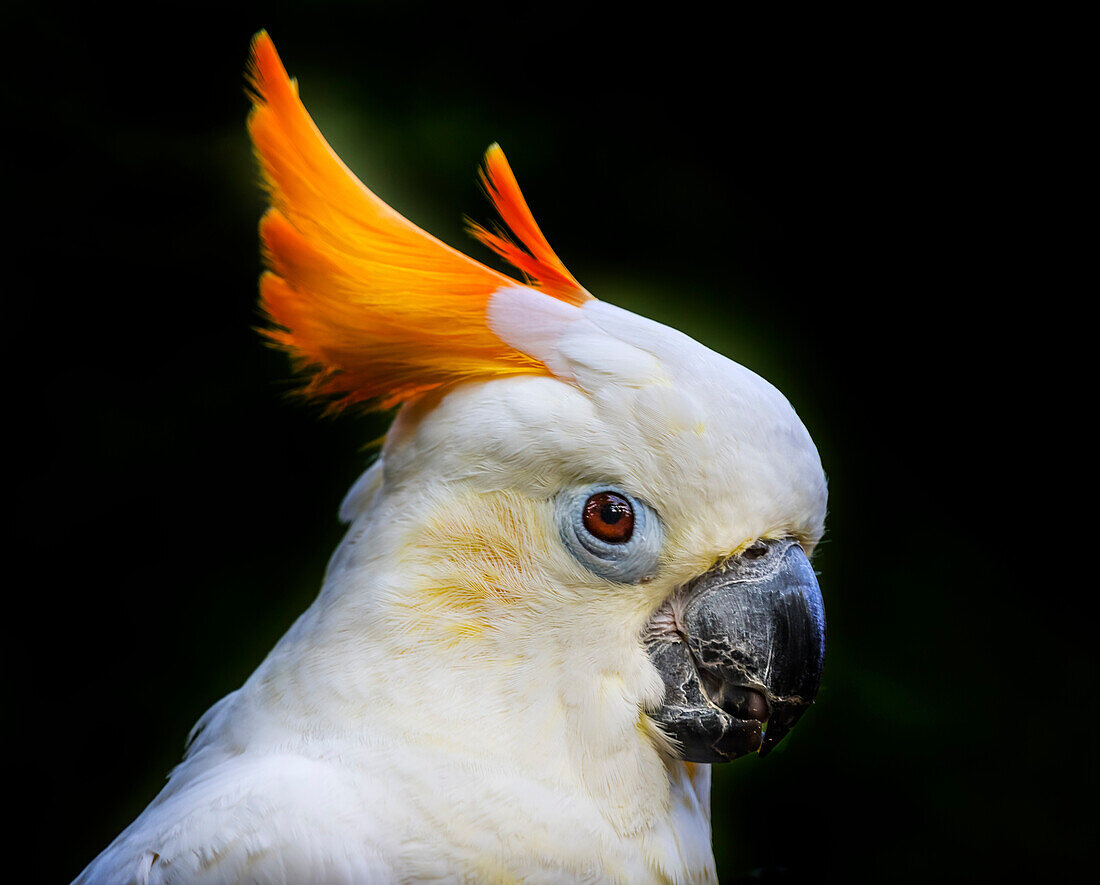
{"x": 609, "y": 517}
{"x": 612, "y": 511}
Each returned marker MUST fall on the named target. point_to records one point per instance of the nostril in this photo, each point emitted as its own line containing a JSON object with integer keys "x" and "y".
{"x": 757, "y": 550}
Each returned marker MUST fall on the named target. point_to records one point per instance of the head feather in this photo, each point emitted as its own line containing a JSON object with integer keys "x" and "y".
{"x": 539, "y": 263}
{"x": 378, "y": 310}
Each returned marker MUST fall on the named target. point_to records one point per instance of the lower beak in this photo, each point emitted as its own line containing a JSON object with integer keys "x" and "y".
{"x": 741, "y": 650}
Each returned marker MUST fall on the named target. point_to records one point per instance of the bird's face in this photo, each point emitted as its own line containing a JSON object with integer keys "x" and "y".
{"x": 584, "y": 523}
{"x": 655, "y": 493}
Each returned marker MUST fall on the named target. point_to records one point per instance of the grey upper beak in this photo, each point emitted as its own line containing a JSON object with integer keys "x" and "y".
{"x": 747, "y": 647}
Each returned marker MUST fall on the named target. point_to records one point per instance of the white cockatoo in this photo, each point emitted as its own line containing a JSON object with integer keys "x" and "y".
{"x": 576, "y": 575}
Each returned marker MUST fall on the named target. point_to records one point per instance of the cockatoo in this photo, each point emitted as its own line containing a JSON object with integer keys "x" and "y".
{"x": 577, "y": 574}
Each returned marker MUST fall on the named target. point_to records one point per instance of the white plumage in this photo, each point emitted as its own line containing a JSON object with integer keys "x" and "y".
{"x": 465, "y": 700}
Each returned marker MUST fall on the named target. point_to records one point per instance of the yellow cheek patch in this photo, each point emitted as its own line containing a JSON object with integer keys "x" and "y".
{"x": 479, "y": 554}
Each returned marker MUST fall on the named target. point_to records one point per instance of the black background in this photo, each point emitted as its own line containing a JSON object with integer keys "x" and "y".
{"x": 845, "y": 203}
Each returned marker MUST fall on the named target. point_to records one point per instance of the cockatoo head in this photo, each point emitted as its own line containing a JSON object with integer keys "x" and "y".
{"x": 564, "y": 479}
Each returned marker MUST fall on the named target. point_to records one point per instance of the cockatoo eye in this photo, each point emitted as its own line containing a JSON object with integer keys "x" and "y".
{"x": 609, "y": 517}
{"x": 610, "y": 532}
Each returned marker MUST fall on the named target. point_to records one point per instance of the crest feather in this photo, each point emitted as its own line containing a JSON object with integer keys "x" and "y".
{"x": 539, "y": 263}
{"x": 378, "y": 310}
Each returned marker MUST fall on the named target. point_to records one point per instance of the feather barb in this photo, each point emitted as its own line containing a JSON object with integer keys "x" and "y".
{"x": 377, "y": 310}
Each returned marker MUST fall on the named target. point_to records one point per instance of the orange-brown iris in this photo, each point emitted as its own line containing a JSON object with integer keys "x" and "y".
{"x": 609, "y": 517}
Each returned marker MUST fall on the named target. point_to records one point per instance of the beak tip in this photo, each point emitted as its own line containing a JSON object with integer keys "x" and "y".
{"x": 777, "y": 729}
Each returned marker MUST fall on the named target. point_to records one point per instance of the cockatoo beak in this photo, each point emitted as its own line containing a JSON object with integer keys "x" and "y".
{"x": 741, "y": 650}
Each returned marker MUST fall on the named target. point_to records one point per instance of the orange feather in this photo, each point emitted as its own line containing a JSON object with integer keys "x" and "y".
{"x": 378, "y": 310}
{"x": 539, "y": 263}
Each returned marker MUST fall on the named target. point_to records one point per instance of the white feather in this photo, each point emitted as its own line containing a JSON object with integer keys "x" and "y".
{"x": 464, "y": 701}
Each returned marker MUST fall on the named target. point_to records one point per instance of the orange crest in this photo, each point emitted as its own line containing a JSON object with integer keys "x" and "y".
{"x": 377, "y": 309}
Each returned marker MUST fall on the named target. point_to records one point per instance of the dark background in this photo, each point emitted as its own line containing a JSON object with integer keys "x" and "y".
{"x": 846, "y": 204}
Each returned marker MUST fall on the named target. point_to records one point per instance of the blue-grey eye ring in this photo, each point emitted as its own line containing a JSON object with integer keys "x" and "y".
{"x": 611, "y": 532}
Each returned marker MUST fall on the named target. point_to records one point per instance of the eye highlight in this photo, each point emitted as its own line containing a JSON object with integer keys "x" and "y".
{"x": 609, "y": 517}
